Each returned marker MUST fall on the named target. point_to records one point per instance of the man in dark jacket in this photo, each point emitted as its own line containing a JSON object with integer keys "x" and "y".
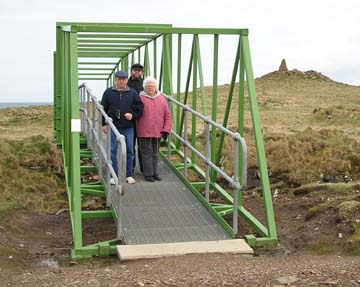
{"x": 136, "y": 82}
{"x": 124, "y": 106}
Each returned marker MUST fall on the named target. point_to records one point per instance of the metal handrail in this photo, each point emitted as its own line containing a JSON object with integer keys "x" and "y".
{"x": 102, "y": 154}
{"x": 237, "y": 138}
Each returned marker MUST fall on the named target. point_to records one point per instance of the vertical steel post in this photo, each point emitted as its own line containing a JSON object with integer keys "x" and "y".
{"x": 178, "y": 87}
{"x": 194, "y": 104}
{"x": 208, "y": 158}
{"x": 132, "y": 58}
{"x": 146, "y": 62}
{"x": 75, "y": 140}
{"x": 241, "y": 110}
{"x": 186, "y": 88}
{"x": 214, "y": 103}
{"x": 229, "y": 101}
{"x": 155, "y": 58}
{"x": 201, "y": 78}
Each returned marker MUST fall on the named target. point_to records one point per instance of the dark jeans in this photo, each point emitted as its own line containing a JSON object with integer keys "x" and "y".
{"x": 149, "y": 148}
{"x": 129, "y": 139}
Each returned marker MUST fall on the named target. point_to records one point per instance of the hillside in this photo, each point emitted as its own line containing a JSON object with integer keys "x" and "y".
{"x": 311, "y": 128}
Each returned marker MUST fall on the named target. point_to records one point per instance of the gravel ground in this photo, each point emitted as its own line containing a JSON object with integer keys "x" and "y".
{"x": 200, "y": 270}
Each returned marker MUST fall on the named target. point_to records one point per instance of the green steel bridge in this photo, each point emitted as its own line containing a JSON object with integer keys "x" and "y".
{"x": 189, "y": 205}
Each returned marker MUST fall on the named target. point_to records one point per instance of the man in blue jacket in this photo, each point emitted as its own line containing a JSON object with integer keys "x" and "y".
{"x": 124, "y": 106}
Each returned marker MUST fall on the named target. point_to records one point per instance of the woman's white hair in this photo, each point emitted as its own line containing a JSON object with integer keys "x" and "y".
{"x": 149, "y": 80}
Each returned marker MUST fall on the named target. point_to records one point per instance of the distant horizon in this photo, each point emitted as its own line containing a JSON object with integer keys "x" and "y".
{"x": 6, "y": 105}
{"x": 28, "y": 102}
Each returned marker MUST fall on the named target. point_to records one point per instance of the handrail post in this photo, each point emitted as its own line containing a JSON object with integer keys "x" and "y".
{"x": 236, "y": 182}
{"x": 186, "y": 125}
{"x": 108, "y": 160}
{"x": 169, "y": 138}
{"x": 92, "y": 133}
{"x": 87, "y": 121}
{"x": 82, "y": 105}
{"x": 100, "y": 143}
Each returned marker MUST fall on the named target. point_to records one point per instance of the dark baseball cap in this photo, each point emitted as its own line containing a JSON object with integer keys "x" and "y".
{"x": 121, "y": 74}
{"x": 137, "y": 67}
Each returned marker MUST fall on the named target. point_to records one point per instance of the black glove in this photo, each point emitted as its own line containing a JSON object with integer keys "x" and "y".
{"x": 164, "y": 135}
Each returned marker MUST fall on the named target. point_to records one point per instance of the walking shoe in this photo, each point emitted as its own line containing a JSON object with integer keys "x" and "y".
{"x": 112, "y": 181}
{"x": 130, "y": 180}
{"x": 149, "y": 178}
{"x": 157, "y": 177}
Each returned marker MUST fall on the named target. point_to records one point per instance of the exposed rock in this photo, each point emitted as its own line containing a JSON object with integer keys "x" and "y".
{"x": 285, "y": 280}
{"x": 349, "y": 210}
{"x": 283, "y": 71}
{"x": 283, "y": 67}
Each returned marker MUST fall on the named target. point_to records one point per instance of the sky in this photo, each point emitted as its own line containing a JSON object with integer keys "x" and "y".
{"x": 322, "y": 35}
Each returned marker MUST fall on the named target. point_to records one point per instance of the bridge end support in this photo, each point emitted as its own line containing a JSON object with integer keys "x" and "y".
{"x": 260, "y": 241}
{"x": 100, "y": 249}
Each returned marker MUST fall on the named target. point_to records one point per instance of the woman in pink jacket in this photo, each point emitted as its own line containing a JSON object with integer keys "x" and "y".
{"x": 154, "y": 124}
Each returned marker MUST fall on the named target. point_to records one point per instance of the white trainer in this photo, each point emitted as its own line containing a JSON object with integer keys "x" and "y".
{"x": 112, "y": 181}
{"x": 130, "y": 180}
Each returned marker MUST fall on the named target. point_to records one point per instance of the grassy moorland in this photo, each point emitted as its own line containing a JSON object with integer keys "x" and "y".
{"x": 311, "y": 127}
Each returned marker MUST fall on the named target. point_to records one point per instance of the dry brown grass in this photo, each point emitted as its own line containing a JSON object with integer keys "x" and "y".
{"x": 311, "y": 126}
{"x": 23, "y": 122}
{"x": 30, "y": 166}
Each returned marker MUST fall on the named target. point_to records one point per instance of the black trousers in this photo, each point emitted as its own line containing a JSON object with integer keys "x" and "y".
{"x": 136, "y": 143}
{"x": 149, "y": 148}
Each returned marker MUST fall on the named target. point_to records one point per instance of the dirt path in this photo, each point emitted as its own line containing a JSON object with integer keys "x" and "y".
{"x": 38, "y": 247}
{"x": 200, "y": 270}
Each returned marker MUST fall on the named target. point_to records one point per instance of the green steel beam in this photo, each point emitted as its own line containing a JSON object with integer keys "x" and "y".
{"x": 93, "y": 74}
{"x": 95, "y": 69}
{"x": 93, "y": 192}
{"x": 92, "y": 79}
{"x": 125, "y": 66}
{"x": 75, "y": 142}
{"x": 160, "y": 30}
{"x": 260, "y": 150}
{"x": 119, "y": 36}
{"x": 106, "y": 46}
{"x": 95, "y": 214}
{"x": 194, "y": 101}
{"x": 99, "y": 55}
{"x": 101, "y": 50}
{"x": 96, "y": 63}
{"x": 146, "y": 61}
{"x": 201, "y": 77}
{"x": 187, "y": 86}
{"x": 229, "y": 101}
{"x": 155, "y": 58}
{"x": 178, "y": 86}
{"x": 214, "y": 104}
{"x": 113, "y": 24}
{"x": 88, "y": 41}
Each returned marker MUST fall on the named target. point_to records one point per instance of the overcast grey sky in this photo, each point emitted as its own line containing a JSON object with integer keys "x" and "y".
{"x": 323, "y": 35}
